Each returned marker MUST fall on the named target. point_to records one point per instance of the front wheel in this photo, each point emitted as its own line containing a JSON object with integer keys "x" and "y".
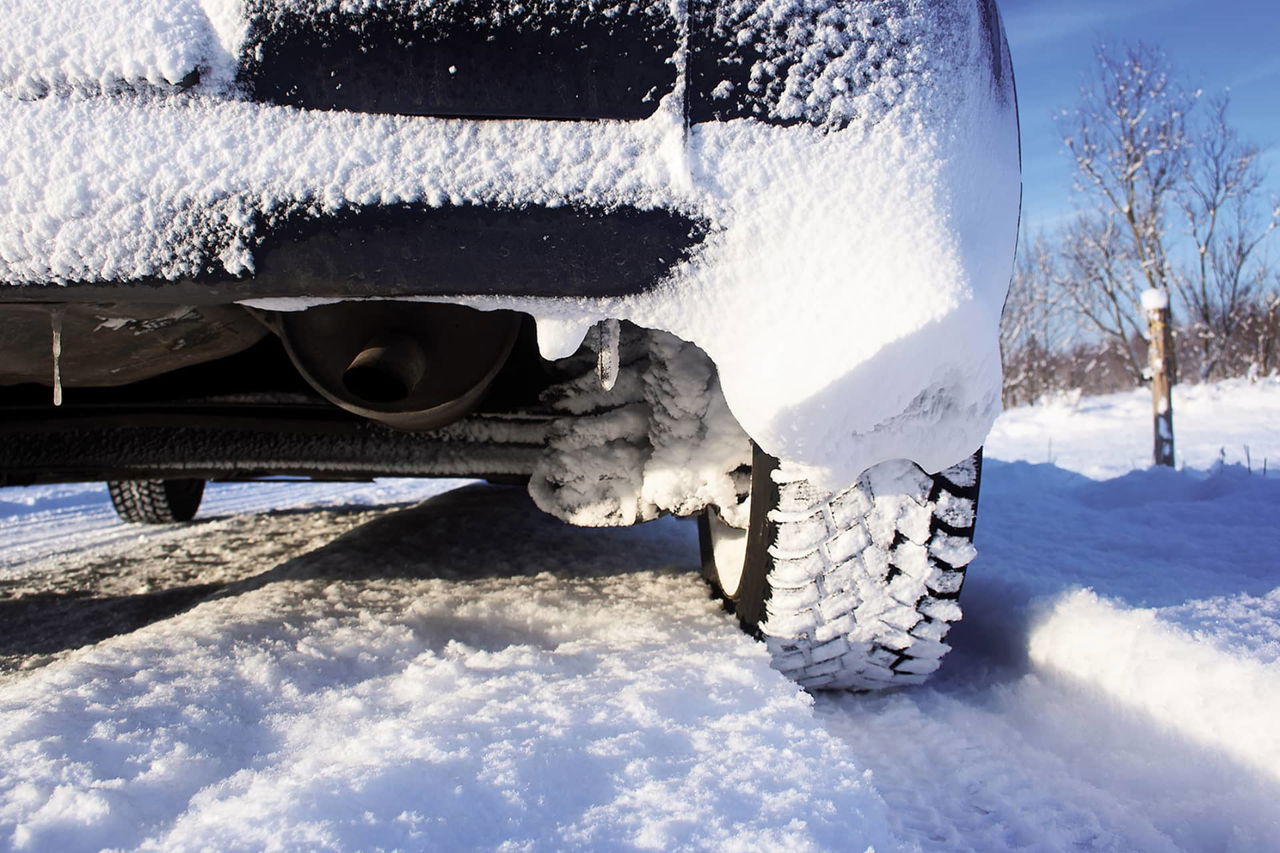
{"x": 156, "y": 501}
{"x": 855, "y": 590}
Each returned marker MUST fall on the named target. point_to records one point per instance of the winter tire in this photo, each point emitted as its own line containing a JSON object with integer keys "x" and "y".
{"x": 156, "y": 501}
{"x": 855, "y": 590}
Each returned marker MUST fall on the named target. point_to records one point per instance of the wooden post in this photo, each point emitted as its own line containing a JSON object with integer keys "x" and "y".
{"x": 1159, "y": 355}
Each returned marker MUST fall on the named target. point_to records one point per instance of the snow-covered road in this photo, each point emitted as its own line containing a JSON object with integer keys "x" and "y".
{"x": 439, "y": 666}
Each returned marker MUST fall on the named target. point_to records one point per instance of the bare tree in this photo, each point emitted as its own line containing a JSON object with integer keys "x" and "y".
{"x": 1102, "y": 281}
{"x": 1032, "y": 331}
{"x": 1147, "y": 156}
{"x": 1219, "y": 199}
{"x": 1259, "y": 333}
{"x": 1128, "y": 138}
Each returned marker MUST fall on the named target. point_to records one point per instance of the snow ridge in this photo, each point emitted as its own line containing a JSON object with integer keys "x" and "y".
{"x": 1189, "y": 686}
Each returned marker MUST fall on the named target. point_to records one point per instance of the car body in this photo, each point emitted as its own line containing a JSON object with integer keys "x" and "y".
{"x": 607, "y": 246}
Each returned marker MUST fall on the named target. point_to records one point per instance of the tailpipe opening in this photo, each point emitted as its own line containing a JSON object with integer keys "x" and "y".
{"x": 387, "y": 370}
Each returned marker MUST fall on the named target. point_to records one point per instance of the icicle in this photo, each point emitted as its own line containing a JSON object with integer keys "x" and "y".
{"x": 55, "y": 323}
{"x": 609, "y": 334}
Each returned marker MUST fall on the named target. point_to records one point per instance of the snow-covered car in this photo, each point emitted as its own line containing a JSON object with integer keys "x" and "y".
{"x": 736, "y": 259}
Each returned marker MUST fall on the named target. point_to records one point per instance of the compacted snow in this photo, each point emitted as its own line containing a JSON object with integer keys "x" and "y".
{"x": 417, "y": 665}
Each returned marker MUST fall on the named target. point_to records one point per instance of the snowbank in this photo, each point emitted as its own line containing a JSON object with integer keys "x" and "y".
{"x": 1191, "y": 686}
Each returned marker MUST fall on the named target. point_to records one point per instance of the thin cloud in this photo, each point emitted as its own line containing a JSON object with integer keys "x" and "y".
{"x": 1260, "y": 72}
{"x": 1035, "y": 23}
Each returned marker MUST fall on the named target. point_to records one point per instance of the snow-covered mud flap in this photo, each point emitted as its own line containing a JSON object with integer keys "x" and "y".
{"x": 850, "y": 590}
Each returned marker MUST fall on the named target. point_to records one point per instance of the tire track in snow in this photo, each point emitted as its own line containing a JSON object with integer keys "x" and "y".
{"x": 71, "y": 518}
{"x": 995, "y": 755}
{"x": 76, "y": 574}
{"x": 411, "y": 655}
{"x": 89, "y": 596}
{"x": 464, "y": 673}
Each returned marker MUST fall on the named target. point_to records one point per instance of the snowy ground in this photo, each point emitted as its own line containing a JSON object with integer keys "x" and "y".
{"x": 439, "y": 666}
{"x": 1236, "y": 421}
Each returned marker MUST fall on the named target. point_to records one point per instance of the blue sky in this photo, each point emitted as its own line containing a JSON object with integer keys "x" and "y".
{"x": 1224, "y": 44}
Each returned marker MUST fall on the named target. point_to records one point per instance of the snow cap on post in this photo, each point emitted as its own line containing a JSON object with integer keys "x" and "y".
{"x": 1155, "y": 299}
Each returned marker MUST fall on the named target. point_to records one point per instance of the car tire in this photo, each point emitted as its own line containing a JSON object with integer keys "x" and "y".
{"x": 156, "y": 501}
{"x": 855, "y": 590}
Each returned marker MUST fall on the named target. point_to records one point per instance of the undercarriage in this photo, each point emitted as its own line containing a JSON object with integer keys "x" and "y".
{"x": 362, "y": 390}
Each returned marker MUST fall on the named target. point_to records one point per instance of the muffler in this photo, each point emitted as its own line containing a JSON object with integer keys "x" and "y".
{"x": 410, "y": 365}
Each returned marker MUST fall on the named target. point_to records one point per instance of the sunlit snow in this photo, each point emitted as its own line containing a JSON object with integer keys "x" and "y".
{"x": 457, "y": 671}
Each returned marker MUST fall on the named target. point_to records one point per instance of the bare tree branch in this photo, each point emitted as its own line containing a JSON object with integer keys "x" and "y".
{"x": 1219, "y": 199}
{"x": 1128, "y": 138}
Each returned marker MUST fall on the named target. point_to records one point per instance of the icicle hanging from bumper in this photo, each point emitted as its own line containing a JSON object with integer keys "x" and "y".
{"x": 609, "y": 334}
{"x": 55, "y": 324}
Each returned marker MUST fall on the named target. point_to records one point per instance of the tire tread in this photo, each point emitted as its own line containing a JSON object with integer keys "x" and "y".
{"x": 863, "y": 587}
{"x": 155, "y": 501}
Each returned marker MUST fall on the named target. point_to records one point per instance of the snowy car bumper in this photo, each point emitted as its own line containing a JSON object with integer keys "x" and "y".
{"x": 824, "y": 199}
{"x": 413, "y": 250}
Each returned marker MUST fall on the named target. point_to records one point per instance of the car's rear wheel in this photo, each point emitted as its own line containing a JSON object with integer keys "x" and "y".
{"x": 855, "y": 590}
{"x": 156, "y": 501}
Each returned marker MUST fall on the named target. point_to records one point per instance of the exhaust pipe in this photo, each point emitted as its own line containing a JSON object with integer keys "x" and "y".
{"x": 387, "y": 370}
{"x": 410, "y": 365}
